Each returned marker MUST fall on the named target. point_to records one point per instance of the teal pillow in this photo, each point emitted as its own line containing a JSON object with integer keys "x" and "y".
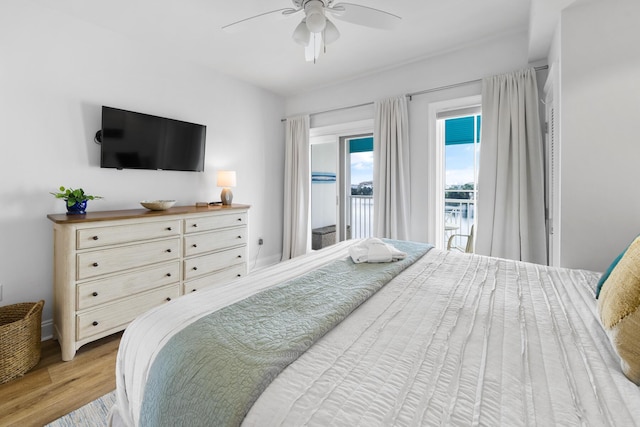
{"x": 606, "y": 274}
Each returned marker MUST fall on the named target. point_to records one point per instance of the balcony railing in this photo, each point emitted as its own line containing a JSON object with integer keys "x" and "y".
{"x": 361, "y": 216}
{"x": 459, "y": 216}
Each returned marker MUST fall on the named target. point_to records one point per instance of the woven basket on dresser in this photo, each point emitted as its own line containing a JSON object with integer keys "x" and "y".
{"x": 20, "y": 329}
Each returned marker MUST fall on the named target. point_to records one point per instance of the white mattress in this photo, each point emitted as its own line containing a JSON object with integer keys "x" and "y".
{"x": 454, "y": 340}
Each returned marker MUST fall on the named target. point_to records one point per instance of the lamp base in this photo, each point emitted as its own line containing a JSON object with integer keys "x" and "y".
{"x": 226, "y": 196}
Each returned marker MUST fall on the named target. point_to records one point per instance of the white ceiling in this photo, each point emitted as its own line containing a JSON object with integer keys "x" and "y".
{"x": 265, "y": 55}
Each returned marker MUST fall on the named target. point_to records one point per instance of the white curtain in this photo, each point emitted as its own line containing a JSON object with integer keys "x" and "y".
{"x": 296, "y": 188}
{"x": 391, "y": 169}
{"x": 511, "y": 212}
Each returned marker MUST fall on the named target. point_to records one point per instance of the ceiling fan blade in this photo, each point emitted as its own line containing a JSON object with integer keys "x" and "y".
{"x": 243, "y": 24}
{"x": 364, "y": 15}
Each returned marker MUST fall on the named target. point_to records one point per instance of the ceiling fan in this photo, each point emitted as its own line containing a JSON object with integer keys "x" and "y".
{"x": 315, "y": 31}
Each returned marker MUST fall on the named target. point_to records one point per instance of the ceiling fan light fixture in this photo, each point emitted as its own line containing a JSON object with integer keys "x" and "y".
{"x": 301, "y": 34}
{"x": 314, "y": 11}
{"x": 331, "y": 33}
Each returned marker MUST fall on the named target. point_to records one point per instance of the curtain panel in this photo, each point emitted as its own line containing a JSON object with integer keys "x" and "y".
{"x": 297, "y": 175}
{"x": 391, "y": 186}
{"x": 511, "y": 211}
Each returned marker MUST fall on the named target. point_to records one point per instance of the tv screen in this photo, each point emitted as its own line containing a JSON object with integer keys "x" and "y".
{"x": 133, "y": 140}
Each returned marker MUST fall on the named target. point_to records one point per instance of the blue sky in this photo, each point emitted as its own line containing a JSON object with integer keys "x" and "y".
{"x": 361, "y": 167}
{"x": 458, "y": 164}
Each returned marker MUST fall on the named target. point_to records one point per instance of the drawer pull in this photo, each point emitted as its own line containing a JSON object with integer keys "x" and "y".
{"x": 168, "y": 274}
{"x": 195, "y": 268}
{"x": 168, "y": 298}
{"x": 95, "y": 323}
{"x": 195, "y": 225}
{"x": 95, "y": 294}
{"x": 168, "y": 250}
{"x": 239, "y": 256}
{"x": 95, "y": 264}
{"x": 239, "y": 237}
{"x": 195, "y": 246}
{"x": 240, "y": 219}
{"x": 95, "y": 237}
{"x": 193, "y": 290}
{"x": 239, "y": 275}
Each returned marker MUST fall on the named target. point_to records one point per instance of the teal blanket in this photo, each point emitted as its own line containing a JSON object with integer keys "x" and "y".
{"x": 211, "y": 372}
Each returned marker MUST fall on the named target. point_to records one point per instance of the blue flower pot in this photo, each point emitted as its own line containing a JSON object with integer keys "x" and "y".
{"x": 78, "y": 209}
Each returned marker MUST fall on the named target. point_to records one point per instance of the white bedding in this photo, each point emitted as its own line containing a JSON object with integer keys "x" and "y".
{"x": 455, "y": 339}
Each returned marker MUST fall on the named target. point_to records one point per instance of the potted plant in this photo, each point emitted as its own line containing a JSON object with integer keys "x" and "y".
{"x": 76, "y": 200}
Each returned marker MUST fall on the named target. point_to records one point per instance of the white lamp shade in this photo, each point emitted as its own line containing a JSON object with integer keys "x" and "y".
{"x": 226, "y": 178}
{"x": 331, "y": 33}
{"x": 301, "y": 34}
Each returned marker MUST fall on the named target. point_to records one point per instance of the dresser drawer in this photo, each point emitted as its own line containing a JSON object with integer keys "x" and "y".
{"x": 206, "y": 264}
{"x": 99, "y": 262}
{"x": 213, "y": 222}
{"x": 206, "y": 242}
{"x": 119, "y": 314}
{"x": 97, "y": 292}
{"x": 217, "y": 278}
{"x": 113, "y": 235}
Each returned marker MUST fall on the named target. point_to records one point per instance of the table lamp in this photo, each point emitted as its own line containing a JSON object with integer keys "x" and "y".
{"x": 226, "y": 179}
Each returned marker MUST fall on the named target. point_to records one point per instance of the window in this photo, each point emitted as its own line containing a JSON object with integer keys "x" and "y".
{"x": 360, "y": 206}
{"x": 460, "y": 131}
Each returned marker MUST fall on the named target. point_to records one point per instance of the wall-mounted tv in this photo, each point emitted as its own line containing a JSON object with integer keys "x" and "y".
{"x": 131, "y": 140}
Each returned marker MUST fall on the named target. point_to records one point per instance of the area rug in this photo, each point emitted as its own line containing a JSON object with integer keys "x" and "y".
{"x": 93, "y": 414}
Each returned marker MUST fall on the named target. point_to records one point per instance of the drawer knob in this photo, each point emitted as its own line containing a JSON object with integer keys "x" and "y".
{"x": 95, "y": 264}
{"x": 168, "y": 298}
{"x": 95, "y": 323}
{"x": 195, "y": 225}
{"x": 168, "y": 274}
{"x": 195, "y": 246}
{"x": 95, "y": 237}
{"x": 240, "y": 219}
{"x": 168, "y": 228}
{"x": 239, "y": 237}
{"x": 195, "y": 268}
{"x": 239, "y": 256}
{"x": 193, "y": 290}
{"x": 168, "y": 250}
{"x": 239, "y": 275}
{"x": 95, "y": 294}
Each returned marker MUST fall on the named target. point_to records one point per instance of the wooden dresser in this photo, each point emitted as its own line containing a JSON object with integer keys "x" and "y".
{"x": 111, "y": 266}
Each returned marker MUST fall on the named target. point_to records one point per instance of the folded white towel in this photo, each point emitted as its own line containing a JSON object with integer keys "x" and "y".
{"x": 375, "y": 250}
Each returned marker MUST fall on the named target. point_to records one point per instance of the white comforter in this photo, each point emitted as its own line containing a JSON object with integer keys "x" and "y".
{"x": 455, "y": 339}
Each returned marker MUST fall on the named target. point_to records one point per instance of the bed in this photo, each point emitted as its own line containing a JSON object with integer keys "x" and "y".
{"x": 436, "y": 338}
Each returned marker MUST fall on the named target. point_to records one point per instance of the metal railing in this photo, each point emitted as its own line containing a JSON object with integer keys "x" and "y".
{"x": 459, "y": 216}
{"x": 361, "y": 216}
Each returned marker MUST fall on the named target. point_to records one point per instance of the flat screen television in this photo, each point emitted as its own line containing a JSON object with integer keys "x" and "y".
{"x": 131, "y": 140}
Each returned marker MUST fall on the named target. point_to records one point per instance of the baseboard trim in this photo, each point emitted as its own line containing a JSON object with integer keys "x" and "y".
{"x": 266, "y": 262}
{"x": 47, "y": 330}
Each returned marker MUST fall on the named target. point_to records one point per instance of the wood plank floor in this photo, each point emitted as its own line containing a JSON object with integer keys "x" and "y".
{"x": 54, "y": 388}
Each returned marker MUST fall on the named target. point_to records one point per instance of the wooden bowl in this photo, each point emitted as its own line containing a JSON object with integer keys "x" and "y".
{"x": 158, "y": 205}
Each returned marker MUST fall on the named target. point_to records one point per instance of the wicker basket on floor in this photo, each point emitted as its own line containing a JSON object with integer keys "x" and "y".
{"x": 20, "y": 330}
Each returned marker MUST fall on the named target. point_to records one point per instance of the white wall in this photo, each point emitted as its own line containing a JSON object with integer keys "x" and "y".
{"x": 485, "y": 58}
{"x": 600, "y": 149}
{"x": 55, "y": 74}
